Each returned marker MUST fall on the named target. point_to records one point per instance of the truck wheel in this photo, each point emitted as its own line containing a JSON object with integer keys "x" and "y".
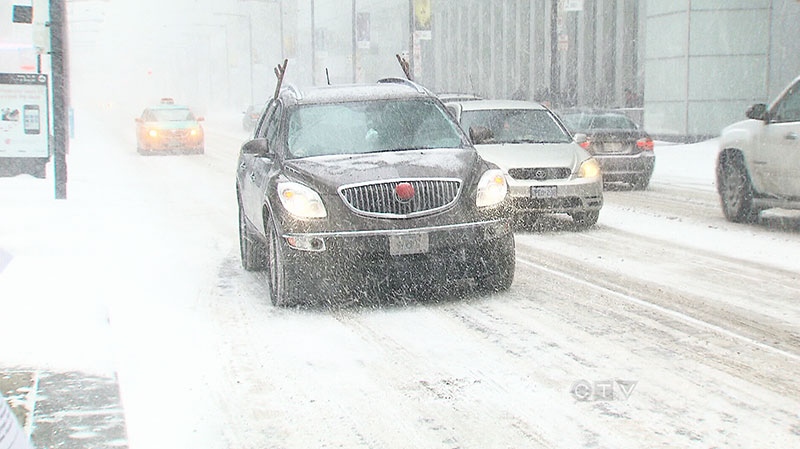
{"x": 736, "y": 189}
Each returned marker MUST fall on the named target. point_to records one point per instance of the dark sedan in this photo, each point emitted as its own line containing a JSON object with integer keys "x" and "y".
{"x": 347, "y": 187}
{"x": 251, "y": 116}
{"x": 624, "y": 150}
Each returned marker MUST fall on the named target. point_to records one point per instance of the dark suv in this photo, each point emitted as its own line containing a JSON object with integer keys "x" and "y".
{"x": 370, "y": 185}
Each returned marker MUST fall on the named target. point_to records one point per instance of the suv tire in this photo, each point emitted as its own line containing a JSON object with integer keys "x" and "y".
{"x": 252, "y": 252}
{"x": 736, "y": 189}
{"x": 500, "y": 268}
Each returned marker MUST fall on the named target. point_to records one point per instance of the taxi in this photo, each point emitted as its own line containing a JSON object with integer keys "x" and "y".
{"x": 169, "y": 128}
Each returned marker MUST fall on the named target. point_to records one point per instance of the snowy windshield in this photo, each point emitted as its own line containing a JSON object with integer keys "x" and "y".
{"x": 517, "y": 125}
{"x": 367, "y": 127}
{"x": 168, "y": 115}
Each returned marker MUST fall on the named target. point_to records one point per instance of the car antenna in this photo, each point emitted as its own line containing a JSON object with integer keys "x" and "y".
{"x": 280, "y": 70}
{"x": 327, "y": 76}
{"x": 406, "y": 68}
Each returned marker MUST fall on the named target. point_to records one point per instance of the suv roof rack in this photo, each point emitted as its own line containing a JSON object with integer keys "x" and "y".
{"x": 295, "y": 90}
{"x": 406, "y": 82}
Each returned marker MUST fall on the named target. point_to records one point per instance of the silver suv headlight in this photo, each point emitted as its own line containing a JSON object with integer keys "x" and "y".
{"x": 590, "y": 168}
{"x": 301, "y": 201}
{"x": 492, "y": 188}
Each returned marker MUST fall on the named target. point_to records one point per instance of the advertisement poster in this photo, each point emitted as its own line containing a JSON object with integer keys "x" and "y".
{"x": 24, "y": 117}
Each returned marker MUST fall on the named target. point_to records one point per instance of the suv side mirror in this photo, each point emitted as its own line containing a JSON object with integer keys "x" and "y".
{"x": 480, "y": 134}
{"x": 257, "y": 147}
{"x": 580, "y": 138}
{"x": 757, "y": 111}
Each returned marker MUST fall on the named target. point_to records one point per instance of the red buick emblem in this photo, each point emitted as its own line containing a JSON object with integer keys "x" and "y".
{"x": 404, "y": 191}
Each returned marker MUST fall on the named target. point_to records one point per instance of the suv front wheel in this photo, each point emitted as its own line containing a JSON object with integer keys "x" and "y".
{"x": 284, "y": 288}
{"x": 736, "y": 189}
{"x": 251, "y": 250}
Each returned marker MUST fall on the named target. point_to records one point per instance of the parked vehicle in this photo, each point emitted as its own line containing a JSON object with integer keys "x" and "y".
{"x": 623, "y": 149}
{"x": 169, "y": 128}
{"x": 548, "y": 172}
{"x": 759, "y": 159}
{"x": 344, "y": 187}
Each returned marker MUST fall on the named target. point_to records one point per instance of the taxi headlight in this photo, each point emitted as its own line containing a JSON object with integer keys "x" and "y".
{"x": 301, "y": 201}
{"x": 492, "y": 188}
{"x": 590, "y": 168}
{"x": 152, "y": 133}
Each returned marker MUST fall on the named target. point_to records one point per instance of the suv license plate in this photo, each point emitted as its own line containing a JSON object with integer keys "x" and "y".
{"x": 408, "y": 244}
{"x": 544, "y": 192}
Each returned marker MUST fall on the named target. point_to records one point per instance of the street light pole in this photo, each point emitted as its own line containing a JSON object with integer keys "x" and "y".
{"x": 313, "y": 46}
{"x": 60, "y": 82}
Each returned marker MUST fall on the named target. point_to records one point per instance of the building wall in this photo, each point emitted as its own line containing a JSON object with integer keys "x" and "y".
{"x": 505, "y": 47}
{"x": 695, "y": 64}
{"x": 784, "y": 46}
{"x": 335, "y": 44}
{"x": 705, "y": 64}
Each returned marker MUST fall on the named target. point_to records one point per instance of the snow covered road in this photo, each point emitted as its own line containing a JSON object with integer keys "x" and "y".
{"x": 662, "y": 326}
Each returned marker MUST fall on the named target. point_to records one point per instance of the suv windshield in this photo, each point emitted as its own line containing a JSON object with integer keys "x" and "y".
{"x": 517, "y": 125}
{"x": 368, "y": 127}
{"x": 169, "y": 115}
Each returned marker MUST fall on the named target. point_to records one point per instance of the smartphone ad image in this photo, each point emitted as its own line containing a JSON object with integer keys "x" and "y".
{"x": 31, "y": 119}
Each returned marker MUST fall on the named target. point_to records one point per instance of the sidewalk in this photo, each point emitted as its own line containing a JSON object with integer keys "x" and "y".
{"x": 56, "y": 351}
{"x": 69, "y": 410}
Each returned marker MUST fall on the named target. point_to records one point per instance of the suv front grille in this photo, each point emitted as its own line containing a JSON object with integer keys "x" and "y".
{"x": 381, "y": 200}
{"x": 540, "y": 174}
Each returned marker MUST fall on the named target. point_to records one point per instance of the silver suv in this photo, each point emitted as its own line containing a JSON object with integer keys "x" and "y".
{"x": 759, "y": 161}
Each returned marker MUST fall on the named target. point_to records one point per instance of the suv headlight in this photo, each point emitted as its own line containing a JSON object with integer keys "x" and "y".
{"x": 492, "y": 188}
{"x": 301, "y": 201}
{"x": 590, "y": 168}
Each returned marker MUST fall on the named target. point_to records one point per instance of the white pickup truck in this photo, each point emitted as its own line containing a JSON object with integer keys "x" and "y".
{"x": 759, "y": 161}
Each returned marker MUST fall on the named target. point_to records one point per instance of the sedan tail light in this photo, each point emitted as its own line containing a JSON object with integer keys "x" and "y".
{"x": 645, "y": 143}
{"x": 585, "y": 144}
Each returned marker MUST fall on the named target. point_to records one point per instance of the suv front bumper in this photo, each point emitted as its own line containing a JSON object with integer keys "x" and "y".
{"x": 556, "y": 196}
{"x": 336, "y": 263}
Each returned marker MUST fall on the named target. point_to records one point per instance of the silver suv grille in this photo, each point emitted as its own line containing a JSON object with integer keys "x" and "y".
{"x": 540, "y": 174}
{"x": 381, "y": 199}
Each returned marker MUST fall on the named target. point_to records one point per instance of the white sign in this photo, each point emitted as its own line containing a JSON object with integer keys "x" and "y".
{"x": 11, "y": 434}
{"x": 573, "y": 5}
{"x": 24, "y": 117}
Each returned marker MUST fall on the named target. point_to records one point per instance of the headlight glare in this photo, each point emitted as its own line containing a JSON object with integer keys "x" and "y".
{"x": 590, "y": 168}
{"x": 492, "y": 188}
{"x": 301, "y": 201}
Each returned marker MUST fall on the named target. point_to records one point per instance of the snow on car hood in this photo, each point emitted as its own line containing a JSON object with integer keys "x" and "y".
{"x": 337, "y": 170}
{"x": 531, "y": 155}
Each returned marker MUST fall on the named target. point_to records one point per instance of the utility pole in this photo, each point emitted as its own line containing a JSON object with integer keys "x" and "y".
{"x": 313, "y": 47}
{"x": 60, "y": 78}
{"x": 555, "y": 72}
